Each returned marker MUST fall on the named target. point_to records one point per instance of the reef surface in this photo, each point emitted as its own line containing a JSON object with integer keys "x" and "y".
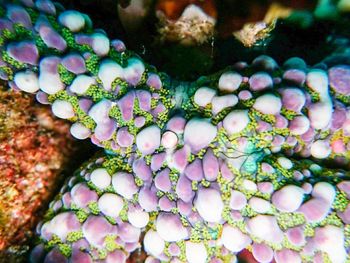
{"x": 192, "y": 171}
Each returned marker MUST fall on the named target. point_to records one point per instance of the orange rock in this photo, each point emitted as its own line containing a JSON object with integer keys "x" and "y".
{"x": 34, "y": 150}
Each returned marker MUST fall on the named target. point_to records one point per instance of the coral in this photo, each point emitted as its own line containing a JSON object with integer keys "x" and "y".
{"x": 202, "y": 169}
{"x": 206, "y": 211}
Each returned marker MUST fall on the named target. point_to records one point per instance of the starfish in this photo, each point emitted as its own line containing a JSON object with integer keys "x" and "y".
{"x": 191, "y": 171}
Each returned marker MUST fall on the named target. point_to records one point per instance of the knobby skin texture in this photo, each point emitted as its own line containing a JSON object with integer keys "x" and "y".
{"x": 193, "y": 172}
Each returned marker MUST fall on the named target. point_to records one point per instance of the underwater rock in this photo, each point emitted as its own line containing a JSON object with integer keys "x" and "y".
{"x": 186, "y": 22}
{"x": 34, "y": 149}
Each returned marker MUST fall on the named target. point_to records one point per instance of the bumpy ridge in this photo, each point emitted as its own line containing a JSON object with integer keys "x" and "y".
{"x": 112, "y": 96}
{"x": 208, "y": 213}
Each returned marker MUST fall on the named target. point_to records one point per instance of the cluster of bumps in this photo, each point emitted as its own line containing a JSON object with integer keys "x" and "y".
{"x": 192, "y": 172}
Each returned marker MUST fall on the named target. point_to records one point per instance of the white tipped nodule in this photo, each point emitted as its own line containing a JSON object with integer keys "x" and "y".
{"x": 330, "y": 239}
{"x": 100, "y": 44}
{"x": 109, "y": 70}
{"x": 285, "y": 163}
{"x": 209, "y": 204}
{"x": 50, "y": 83}
{"x": 81, "y": 84}
{"x": 266, "y": 228}
{"x": 138, "y": 218}
{"x": 236, "y": 121}
{"x": 153, "y": 243}
{"x": 73, "y": 20}
{"x": 288, "y": 199}
{"x": 170, "y": 228}
{"x": 101, "y": 178}
{"x": 199, "y": 133}
{"x": 27, "y": 81}
{"x": 259, "y": 205}
{"x": 124, "y": 184}
{"x": 110, "y": 204}
{"x": 325, "y": 191}
{"x": 320, "y": 114}
{"x": 203, "y": 96}
{"x": 222, "y": 102}
{"x": 230, "y": 81}
{"x": 268, "y": 104}
{"x": 63, "y": 109}
{"x": 148, "y": 140}
{"x": 320, "y": 149}
{"x": 79, "y": 131}
{"x": 196, "y": 252}
{"x": 299, "y": 125}
{"x": 317, "y": 80}
{"x": 237, "y": 200}
{"x": 233, "y": 238}
{"x": 133, "y": 72}
{"x": 169, "y": 140}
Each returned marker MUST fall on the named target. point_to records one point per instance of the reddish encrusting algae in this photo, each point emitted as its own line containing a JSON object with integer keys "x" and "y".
{"x": 34, "y": 148}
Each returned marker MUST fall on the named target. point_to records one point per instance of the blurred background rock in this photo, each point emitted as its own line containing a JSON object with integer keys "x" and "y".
{"x": 208, "y": 35}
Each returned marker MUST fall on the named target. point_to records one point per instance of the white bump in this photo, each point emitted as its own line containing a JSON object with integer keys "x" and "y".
{"x": 170, "y": 228}
{"x": 196, "y": 252}
{"x": 199, "y": 133}
{"x": 259, "y": 205}
{"x": 209, "y": 204}
{"x": 81, "y": 84}
{"x": 203, "y": 96}
{"x": 288, "y": 198}
{"x": 153, "y": 243}
{"x": 74, "y": 20}
{"x": 266, "y": 228}
{"x": 268, "y": 104}
{"x": 100, "y": 44}
{"x": 325, "y": 191}
{"x": 110, "y": 204}
{"x": 148, "y": 139}
{"x": 222, "y": 102}
{"x": 124, "y": 184}
{"x": 236, "y": 121}
{"x": 320, "y": 114}
{"x": 50, "y": 83}
{"x": 27, "y": 81}
{"x": 169, "y": 140}
{"x": 249, "y": 185}
{"x": 285, "y": 163}
{"x": 79, "y": 131}
{"x": 320, "y": 149}
{"x": 230, "y": 81}
{"x": 330, "y": 239}
{"x": 63, "y": 109}
{"x": 101, "y": 178}
{"x": 317, "y": 80}
{"x": 299, "y": 125}
{"x": 138, "y": 218}
{"x": 233, "y": 238}
{"x": 133, "y": 72}
{"x": 108, "y": 72}
{"x": 237, "y": 200}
